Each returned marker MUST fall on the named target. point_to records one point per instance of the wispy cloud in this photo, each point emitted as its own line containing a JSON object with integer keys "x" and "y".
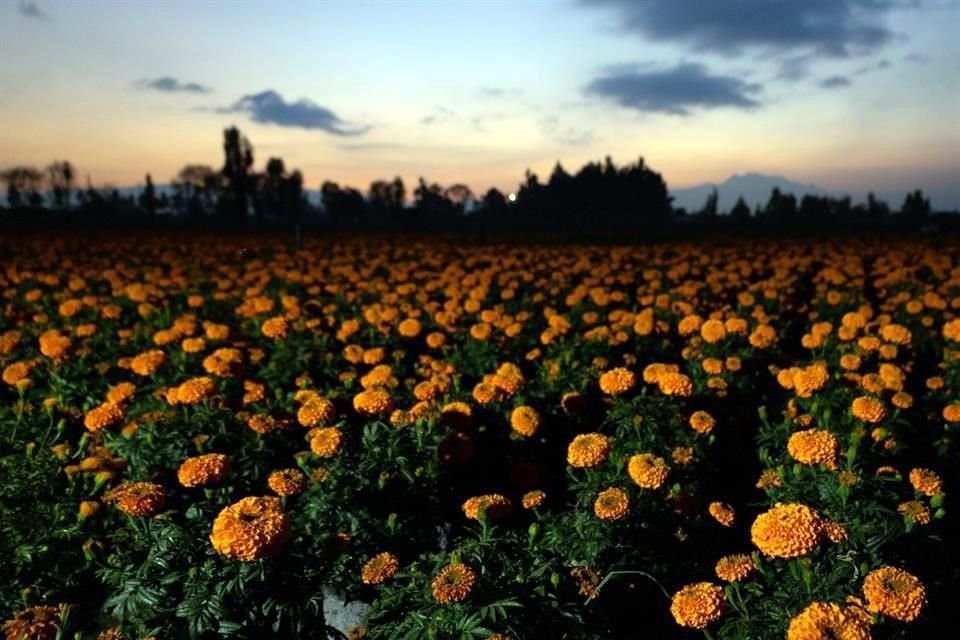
{"x": 500, "y": 92}
{"x": 269, "y": 107}
{"x": 834, "y": 82}
{"x": 574, "y": 137}
{"x": 168, "y": 84}
{"x": 31, "y": 9}
{"x": 879, "y": 65}
{"x": 675, "y": 91}
{"x": 439, "y": 115}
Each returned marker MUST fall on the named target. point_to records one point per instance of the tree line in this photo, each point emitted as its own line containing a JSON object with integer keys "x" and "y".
{"x": 599, "y": 196}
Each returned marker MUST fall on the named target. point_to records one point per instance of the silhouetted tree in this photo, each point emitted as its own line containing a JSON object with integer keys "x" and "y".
{"x": 61, "y": 176}
{"x": 876, "y": 208}
{"x": 23, "y": 183}
{"x": 459, "y": 195}
{"x": 915, "y": 207}
{"x": 740, "y": 211}
{"x": 709, "y": 209}
{"x": 238, "y": 160}
{"x": 148, "y": 199}
{"x": 780, "y": 207}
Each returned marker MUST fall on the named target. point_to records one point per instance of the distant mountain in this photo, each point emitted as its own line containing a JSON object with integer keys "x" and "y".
{"x": 755, "y": 189}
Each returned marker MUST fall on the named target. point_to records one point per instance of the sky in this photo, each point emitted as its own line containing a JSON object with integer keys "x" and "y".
{"x": 849, "y": 95}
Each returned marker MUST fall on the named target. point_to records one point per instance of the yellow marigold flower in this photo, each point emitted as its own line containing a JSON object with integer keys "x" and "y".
{"x": 951, "y": 412}
{"x": 453, "y": 583}
{"x": 814, "y": 446}
{"x": 121, "y": 392}
{"x": 250, "y": 529}
{"x": 372, "y": 402}
{"x": 713, "y": 366}
{"x": 648, "y": 471}
{"x": 287, "y": 482}
{"x": 735, "y": 568}
{"x": 16, "y": 372}
{"x": 496, "y": 506}
{"x": 533, "y": 499}
{"x": 103, "y": 416}
{"x": 204, "y": 470}
{"x": 88, "y": 508}
{"x": 682, "y": 455}
{"x": 722, "y": 513}
{"x": 195, "y": 390}
{"x": 895, "y": 333}
{"x": 675, "y": 384}
{"x": 264, "y": 423}
{"x": 379, "y": 568}
{"x": 253, "y": 392}
{"x": 850, "y": 362}
{"x": 902, "y": 400}
{"x": 617, "y": 381}
{"x": 588, "y": 450}
{"x": 611, "y": 504}
{"x": 915, "y": 511}
{"x": 485, "y": 393}
{"x": 54, "y": 345}
{"x": 653, "y": 371}
{"x": 894, "y": 593}
{"x": 827, "y": 621}
{"x": 698, "y": 604}
{"x": 702, "y": 422}
{"x": 787, "y": 530}
{"x": 316, "y": 411}
{"x": 525, "y": 421}
{"x": 713, "y": 331}
{"x": 762, "y": 337}
{"x": 325, "y": 441}
{"x": 689, "y": 324}
{"x": 147, "y": 363}
{"x": 808, "y": 380}
{"x": 868, "y": 409}
{"x": 137, "y": 498}
{"x": 275, "y": 328}
{"x": 926, "y": 481}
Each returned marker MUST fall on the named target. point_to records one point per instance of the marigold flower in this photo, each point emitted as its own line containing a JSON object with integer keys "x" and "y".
{"x": 617, "y": 381}
{"x": 588, "y": 450}
{"x": 713, "y": 331}
{"x": 103, "y": 416}
{"x": 372, "y": 402}
{"x": 722, "y": 513}
{"x": 147, "y": 363}
{"x": 698, "y": 604}
{"x": 204, "y": 470}
{"x": 834, "y": 531}
{"x": 827, "y": 621}
{"x": 868, "y": 409}
{"x": 611, "y": 504}
{"x": 702, "y": 422}
{"x": 250, "y": 529}
{"x": 915, "y": 511}
{"x": 195, "y": 390}
{"x": 814, "y": 446}
{"x": 16, "y": 372}
{"x": 533, "y": 499}
{"x": 496, "y": 507}
{"x": 926, "y": 481}
{"x": 35, "y": 623}
{"x": 453, "y": 584}
{"x": 894, "y": 593}
{"x": 735, "y": 568}
{"x": 675, "y": 384}
{"x": 275, "y": 328}
{"x": 787, "y": 530}
{"x": 525, "y": 421}
{"x": 316, "y": 411}
{"x": 379, "y": 568}
{"x": 648, "y": 471}
{"x": 137, "y": 498}
{"x": 325, "y": 441}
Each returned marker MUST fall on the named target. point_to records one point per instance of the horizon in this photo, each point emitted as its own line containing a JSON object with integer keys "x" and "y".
{"x": 850, "y": 96}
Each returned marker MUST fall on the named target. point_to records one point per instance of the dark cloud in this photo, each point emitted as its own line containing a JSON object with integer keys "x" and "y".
{"x": 794, "y": 68}
{"x": 168, "y": 84}
{"x": 269, "y": 107}
{"x": 834, "y": 82}
{"x": 439, "y": 115}
{"x": 31, "y": 9}
{"x": 838, "y": 28}
{"x": 674, "y": 91}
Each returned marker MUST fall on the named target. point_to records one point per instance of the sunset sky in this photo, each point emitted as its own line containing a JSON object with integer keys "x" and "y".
{"x": 850, "y": 95}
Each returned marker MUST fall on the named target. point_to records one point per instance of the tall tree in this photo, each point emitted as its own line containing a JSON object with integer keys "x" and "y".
{"x": 23, "y": 186}
{"x": 238, "y": 160}
{"x": 61, "y": 175}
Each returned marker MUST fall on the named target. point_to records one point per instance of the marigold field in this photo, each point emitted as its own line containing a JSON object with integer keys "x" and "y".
{"x": 208, "y": 437}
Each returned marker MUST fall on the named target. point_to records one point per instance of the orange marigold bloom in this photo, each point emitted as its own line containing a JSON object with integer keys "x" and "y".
{"x": 617, "y": 381}
{"x": 316, "y": 411}
{"x": 458, "y": 415}
{"x": 611, "y": 504}
{"x": 588, "y": 450}
{"x": 453, "y": 583}
{"x": 147, "y": 363}
{"x": 868, "y": 409}
{"x": 325, "y": 441}
{"x": 121, "y": 392}
{"x": 496, "y": 506}
{"x": 525, "y": 421}
{"x": 409, "y": 328}
{"x": 675, "y": 384}
{"x": 915, "y": 511}
{"x": 894, "y": 593}
{"x": 275, "y": 328}
{"x": 702, "y": 422}
{"x": 103, "y": 416}
{"x": 35, "y": 623}
{"x": 379, "y": 568}
{"x": 810, "y": 379}
{"x": 648, "y": 471}
{"x": 16, "y": 372}
{"x": 814, "y": 446}
{"x": 250, "y": 529}
{"x": 713, "y": 331}
{"x": 264, "y": 423}
{"x": 200, "y": 471}
{"x": 287, "y": 482}
{"x": 926, "y": 481}
{"x": 735, "y": 568}
{"x": 195, "y": 390}
{"x": 698, "y": 604}
{"x": 834, "y": 531}
{"x": 895, "y": 333}
{"x": 533, "y": 499}
{"x": 137, "y": 498}
{"x": 951, "y": 412}
{"x": 828, "y": 621}
{"x": 722, "y": 513}
{"x": 787, "y": 530}
{"x": 373, "y": 402}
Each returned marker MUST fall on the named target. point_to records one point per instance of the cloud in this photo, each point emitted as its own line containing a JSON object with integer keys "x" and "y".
{"x": 574, "y": 138}
{"x": 439, "y": 115}
{"x": 794, "y": 68}
{"x": 873, "y": 66}
{"x": 674, "y": 91}
{"x": 168, "y": 84}
{"x": 269, "y": 107}
{"x": 837, "y": 28}
{"x": 373, "y": 146}
{"x": 500, "y": 92}
{"x": 834, "y": 82}
{"x": 31, "y": 9}
{"x": 917, "y": 58}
